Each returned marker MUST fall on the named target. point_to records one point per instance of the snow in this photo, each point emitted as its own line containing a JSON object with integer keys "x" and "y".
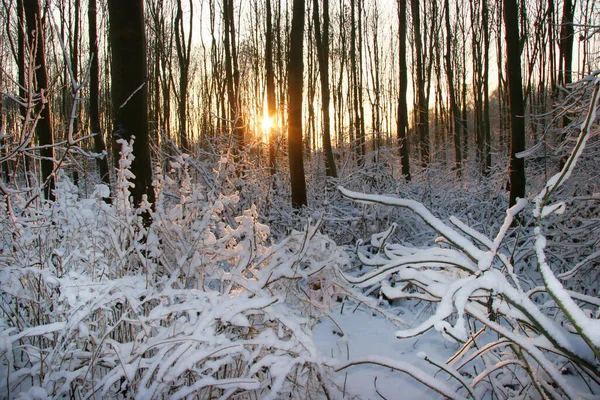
{"x": 206, "y": 301}
{"x": 369, "y": 340}
{"x": 450, "y": 234}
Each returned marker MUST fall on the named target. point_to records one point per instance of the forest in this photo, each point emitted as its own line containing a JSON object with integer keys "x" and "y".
{"x": 304, "y": 199}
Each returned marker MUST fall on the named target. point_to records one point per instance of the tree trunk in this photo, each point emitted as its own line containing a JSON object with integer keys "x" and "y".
{"x": 75, "y": 69}
{"x": 566, "y": 44}
{"x": 4, "y": 151}
{"x": 354, "y": 73}
{"x": 233, "y": 77}
{"x": 516, "y": 106}
{"x": 323, "y": 55}
{"x": 566, "y": 59}
{"x": 295, "y": 84}
{"x": 129, "y": 90}
{"x": 99, "y": 144}
{"x": 403, "y": 86}
{"x": 422, "y": 106}
{"x": 451, "y": 92}
{"x": 36, "y": 36}
{"x": 487, "y": 145}
{"x": 184, "y": 46}
{"x": 271, "y": 99}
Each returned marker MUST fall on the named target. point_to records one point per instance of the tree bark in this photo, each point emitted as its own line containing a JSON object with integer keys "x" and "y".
{"x": 75, "y": 69}
{"x": 422, "y": 106}
{"x": 295, "y": 86}
{"x": 451, "y": 92}
{"x": 516, "y": 104}
{"x": 322, "y": 40}
{"x": 271, "y": 99}
{"x": 233, "y": 77}
{"x": 487, "y": 140}
{"x": 35, "y": 33}
{"x": 566, "y": 60}
{"x": 99, "y": 143}
{"x": 402, "y": 125}
{"x": 129, "y": 91}
{"x": 183, "y": 46}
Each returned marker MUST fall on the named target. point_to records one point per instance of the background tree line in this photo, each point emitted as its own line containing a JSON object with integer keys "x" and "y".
{"x": 459, "y": 85}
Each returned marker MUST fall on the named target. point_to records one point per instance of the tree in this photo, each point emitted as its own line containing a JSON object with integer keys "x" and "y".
{"x": 99, "y": 144}
{"x": 35, "y": 36}
{"x": 232, "y": 73}
{"x": 515, "y": 104}
{"x": 454, "y": 108}
{"x": 356, "y": 78}
{"x": 403, "y": 86}
{"x": 487, "y": 140}
{"x": 271, "y": 99}
{"x": 566, "y": 44}
{"x": 184, "y": 48}
{"x": 422, "y": 98}
{"x": 129, "y": 92}
{"x": 295, "y": 86}
{"x": 566, "y": 57}
{"x": 75, "y": 71}
{"x": 322, "y": 40}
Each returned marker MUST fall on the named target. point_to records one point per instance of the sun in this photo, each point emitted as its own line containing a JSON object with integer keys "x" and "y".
{"x": 267, "y": 124}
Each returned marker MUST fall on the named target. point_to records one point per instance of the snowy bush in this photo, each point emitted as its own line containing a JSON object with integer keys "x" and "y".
{"x": 197, "y": 304}
{"x": 516, "y": 339}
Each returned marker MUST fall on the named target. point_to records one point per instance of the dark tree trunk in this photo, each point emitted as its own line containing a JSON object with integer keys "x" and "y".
{"x": 99, "y": 143}
{"x": 516, "y": 106}
{"x": 4, "y": 151}
{"x": 566, "y": 58}
{"x": 35, "y": 34}
{"x": 359, "y": 83}
{"x": 487, "y": 140}
{"x": 232, "y": 76}
{"x": 566, "y": 44}
{"x": 354, "y": 73}
{"x": 422, "y": 106}
{"x": 129, "y": 90}
{"x": 322, "y": 40}
{"x": 403, "y": 86}
{"x": 75, "y": 69}
{"x": 451, "y": 92}
{"x": 271, "y": 99}
{"x": 295, "y": 84}
{"x": 184, "y": 46}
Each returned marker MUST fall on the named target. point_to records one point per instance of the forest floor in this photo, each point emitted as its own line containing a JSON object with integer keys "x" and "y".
{"x": 366, "y": 334}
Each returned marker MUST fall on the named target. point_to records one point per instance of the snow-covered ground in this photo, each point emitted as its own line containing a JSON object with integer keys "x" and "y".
{"x": 366, "y": 334}
{"x": 208, "y": 302}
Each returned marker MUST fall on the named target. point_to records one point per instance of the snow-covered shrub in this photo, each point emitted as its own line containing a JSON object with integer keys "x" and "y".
{"x": 199, "y": 304}
{"x": 515, "y": 339}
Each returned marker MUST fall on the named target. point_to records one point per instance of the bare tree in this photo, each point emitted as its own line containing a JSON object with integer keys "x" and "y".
{"x": 565, "y": 63}
{"x": 355, "y": 75}
{"x": 451, "y": 91}
{"x": 36, "y": 40}
{"x": 129, "y": 91}
{"x": 232, "y": 73}
{"x": 322, "y": 41}
{"x": 99, "y": 143}
{"x": 271, "y": 99}
{"x": 402, "y": 126}
{"x": 295, "y": 85}
{"x": 486, "y": 136}
{"x": 422, "y": 111}
{"x": 516, "y": 104}
{"x": 183, "y": 45}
